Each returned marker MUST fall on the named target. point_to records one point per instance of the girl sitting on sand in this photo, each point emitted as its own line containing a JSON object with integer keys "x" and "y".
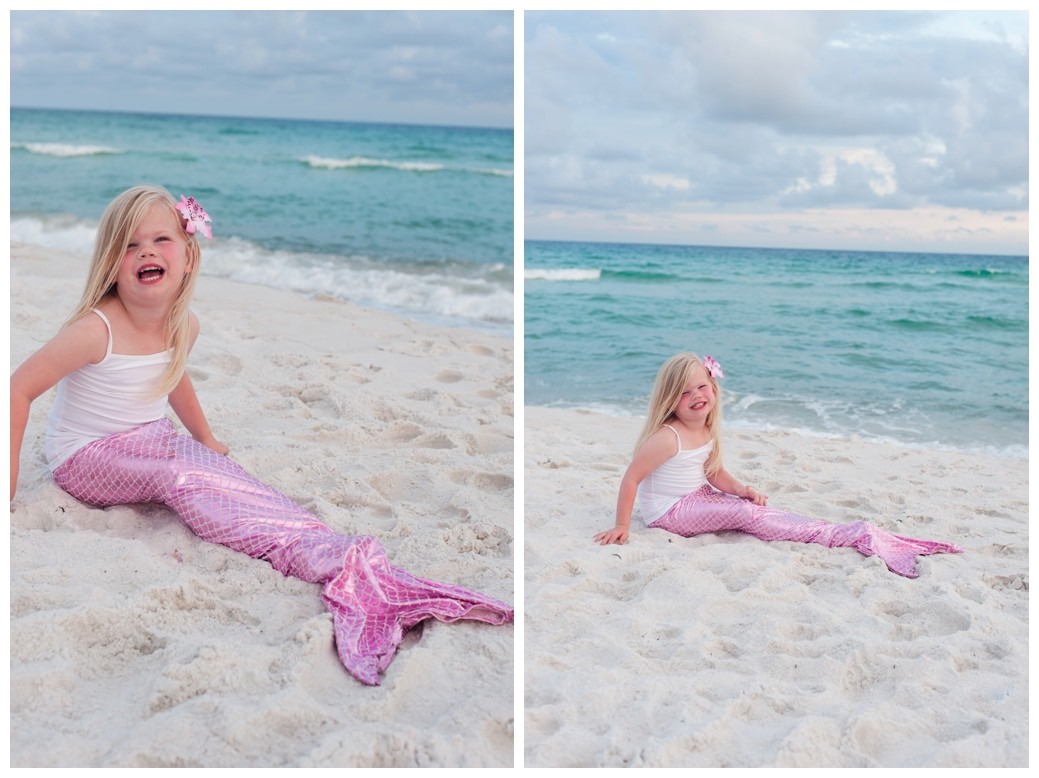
{"x": 118, "y": 361}
{"x": 681, "y": 486}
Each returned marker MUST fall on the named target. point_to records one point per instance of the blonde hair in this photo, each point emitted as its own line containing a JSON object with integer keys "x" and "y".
{"x": 118, "y": 224}
{"x": 667, "y": 391}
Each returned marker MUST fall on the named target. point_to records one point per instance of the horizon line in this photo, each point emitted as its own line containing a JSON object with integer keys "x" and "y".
{"x": 195, "y": 115}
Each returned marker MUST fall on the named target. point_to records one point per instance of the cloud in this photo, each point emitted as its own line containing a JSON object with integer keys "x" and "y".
{"x": 665, "y": 181}
{"x": 436, "y": 67}
{"x": 775, "y": 112}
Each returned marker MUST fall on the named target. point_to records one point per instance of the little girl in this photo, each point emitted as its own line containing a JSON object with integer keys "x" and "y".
{"x": 681, "y": 486}
{"x": 118, "y": 361}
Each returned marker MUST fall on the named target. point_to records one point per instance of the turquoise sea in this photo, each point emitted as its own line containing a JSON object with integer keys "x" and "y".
{"x": 417, "y": 220}
{"x": 920, "y": 349}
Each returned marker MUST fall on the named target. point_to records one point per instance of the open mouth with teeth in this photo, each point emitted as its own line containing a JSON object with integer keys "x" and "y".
{"x": 149, "y": 274}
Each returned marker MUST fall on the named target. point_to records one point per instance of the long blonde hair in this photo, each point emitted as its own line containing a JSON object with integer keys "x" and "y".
{"x": 117, "y": 226}
{"x": 667, "y": 391}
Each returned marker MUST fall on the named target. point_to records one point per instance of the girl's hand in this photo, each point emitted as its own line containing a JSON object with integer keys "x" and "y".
{"x": 755, "y": 497}
{"x": 618, "y": 535}
{"x": 215, "y": 445}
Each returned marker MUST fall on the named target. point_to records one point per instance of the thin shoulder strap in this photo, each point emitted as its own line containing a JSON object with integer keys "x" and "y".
{"x": 677, "y": 437}
{"x": 108, "y": 326}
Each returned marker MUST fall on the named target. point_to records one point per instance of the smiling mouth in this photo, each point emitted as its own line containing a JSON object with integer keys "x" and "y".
{"x": 150, "y": 273}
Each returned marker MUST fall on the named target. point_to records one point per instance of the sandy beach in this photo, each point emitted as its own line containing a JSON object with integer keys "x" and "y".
{"x": 135, "y": 644}
{"x": 724, "y": 650}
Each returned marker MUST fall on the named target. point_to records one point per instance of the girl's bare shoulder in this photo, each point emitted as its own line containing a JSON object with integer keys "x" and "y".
{"x": 87, "y": 333}
{"x": 660, "y": 444}
{"x": 664, "y": 432}
{"x": 78, "y": 343}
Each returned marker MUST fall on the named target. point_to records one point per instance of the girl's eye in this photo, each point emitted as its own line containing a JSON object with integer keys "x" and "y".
{"x": 131, "y": 245}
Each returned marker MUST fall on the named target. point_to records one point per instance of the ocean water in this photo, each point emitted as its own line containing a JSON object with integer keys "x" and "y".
{"x": 416, "y": 220}
{"x": 919, "y": 349}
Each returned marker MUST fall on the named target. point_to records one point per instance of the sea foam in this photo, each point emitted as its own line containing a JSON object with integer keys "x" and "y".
{"x": 65, "y": 149}
{"x": 562, "y": 274}
{"x": 331, "y": 163}
{"x": 438, "y": 291}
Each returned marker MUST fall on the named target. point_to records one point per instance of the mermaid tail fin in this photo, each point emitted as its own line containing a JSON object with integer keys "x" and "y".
{"x": 897, "y": 551}
{"x": 374, "y": 604}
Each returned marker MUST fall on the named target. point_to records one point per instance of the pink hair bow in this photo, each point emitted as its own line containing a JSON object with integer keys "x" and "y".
{"x": 713, "y": 367}
{"x": 195, "y": 216}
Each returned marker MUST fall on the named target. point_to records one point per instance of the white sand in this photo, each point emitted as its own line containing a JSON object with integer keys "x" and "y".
{"x": 133, "y": 643}
{"x": 725, "y": 650}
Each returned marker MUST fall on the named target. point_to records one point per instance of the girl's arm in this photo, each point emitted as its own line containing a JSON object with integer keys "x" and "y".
{"x": 83, "y": 342}
{"x": 185, "y": 404}
{"x": 660, "y": 445}
{"x": 724, "y": 482}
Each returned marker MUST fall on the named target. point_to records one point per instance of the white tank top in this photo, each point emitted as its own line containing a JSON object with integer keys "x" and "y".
{"x": 114, "y": 395}
{"x": 673, "y": 479}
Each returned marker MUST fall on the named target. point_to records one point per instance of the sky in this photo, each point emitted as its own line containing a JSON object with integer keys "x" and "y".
{"x": 903, "y": 131}
{"x": 441, "y": 68}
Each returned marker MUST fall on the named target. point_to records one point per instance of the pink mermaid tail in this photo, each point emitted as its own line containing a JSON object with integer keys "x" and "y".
{"x": 373, "y": 604}
{"x": 708, "y": 510}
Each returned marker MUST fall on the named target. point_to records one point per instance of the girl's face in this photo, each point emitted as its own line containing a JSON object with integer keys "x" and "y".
{"x": 155, "y": 260}
{"x": 698, "y": 397}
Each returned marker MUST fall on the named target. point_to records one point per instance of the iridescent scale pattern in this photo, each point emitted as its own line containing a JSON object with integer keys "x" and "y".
{"x": 373, "y": 603}
{"x": 708, "y": 510}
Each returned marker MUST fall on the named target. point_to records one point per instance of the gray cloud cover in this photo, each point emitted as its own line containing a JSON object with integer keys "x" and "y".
{"x": 632, "y": 113}
{"x": 428, "y": 67}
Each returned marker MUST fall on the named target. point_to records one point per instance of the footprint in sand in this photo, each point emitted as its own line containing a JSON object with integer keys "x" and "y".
{"x": 723, "y": 649}
{"x": 402, "y": 431}
{"x": 933, "y": 620}
{"x": 659, "y": 643}
{"x": 184, "y": 681}
{"x": 1017, "y": 582}
{"x": 289, "y": 360}
{"x": 629, "y": 555}
{"x": 320, "y": 401}
{"x": 436, "y": 440}
{"x": 448, "y": 376}
{"x": 355, "y": 375}
{"x": 496, "y": 482}
{"x": 421, "y": 395}
{"x": 228, "y": 363}
{"x": 359, "y": 505}
{"x": 800, "y": 632}
{"x": 483, "y": 539}
{"x": 492, "y": 443}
